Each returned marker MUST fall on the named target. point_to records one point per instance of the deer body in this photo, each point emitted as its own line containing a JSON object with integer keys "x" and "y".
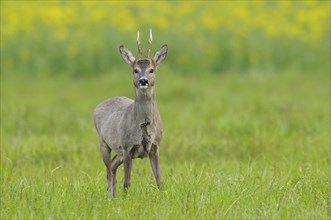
{"x": 131, "y": 128}
{"x": 125, "y": 124}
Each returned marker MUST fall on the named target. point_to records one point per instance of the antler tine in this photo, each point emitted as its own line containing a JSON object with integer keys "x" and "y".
{"x": 139, "y": 46}
{"x": 150, "y": 42}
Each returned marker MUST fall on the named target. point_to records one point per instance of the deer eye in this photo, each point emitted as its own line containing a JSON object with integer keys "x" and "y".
{"x": 151, "y": 71}
{"x": 135, "y": 71}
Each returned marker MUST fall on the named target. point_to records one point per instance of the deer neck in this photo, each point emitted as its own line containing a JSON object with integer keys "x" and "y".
{"x": 144, "y": 106}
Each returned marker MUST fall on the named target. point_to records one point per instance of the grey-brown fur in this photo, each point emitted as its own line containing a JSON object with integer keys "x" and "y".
{"x": 131, "y": 128}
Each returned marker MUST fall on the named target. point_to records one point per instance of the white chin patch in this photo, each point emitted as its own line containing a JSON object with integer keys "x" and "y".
{"x": 143, "y": 86}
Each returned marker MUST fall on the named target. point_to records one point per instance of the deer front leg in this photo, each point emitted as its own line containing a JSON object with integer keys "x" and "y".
{"x": 155, "y": 164}
{"x": 127, "y": 160}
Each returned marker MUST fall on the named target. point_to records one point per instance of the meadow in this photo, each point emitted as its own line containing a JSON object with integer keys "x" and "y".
{"x": 259, "y": 149}
{"x": 244, "y": 97}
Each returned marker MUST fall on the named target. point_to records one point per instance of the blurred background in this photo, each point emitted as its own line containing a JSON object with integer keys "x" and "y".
{"x": 242, "y": 79}
{"x": 81, "y": 38}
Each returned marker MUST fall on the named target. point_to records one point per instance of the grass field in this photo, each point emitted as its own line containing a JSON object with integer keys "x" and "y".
{"x": 235, "y": 146}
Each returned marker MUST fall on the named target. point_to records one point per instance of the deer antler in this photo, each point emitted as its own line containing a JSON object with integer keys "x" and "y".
{"x": 139, "y": 46}
{"x": 150, "y": 42}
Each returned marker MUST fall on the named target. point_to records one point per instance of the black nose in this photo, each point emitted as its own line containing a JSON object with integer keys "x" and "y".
{"x": 143, "y": 81}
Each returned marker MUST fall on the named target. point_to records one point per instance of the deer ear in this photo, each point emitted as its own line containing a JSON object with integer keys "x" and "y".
{"x": 160, "y": 55}
{"x": 126, "y": 55}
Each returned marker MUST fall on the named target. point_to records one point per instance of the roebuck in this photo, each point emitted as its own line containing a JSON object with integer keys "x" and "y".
{"x": 132, "y": 128}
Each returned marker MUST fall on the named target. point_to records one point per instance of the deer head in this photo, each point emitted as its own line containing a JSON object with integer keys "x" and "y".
{"x": 144, "y": 68}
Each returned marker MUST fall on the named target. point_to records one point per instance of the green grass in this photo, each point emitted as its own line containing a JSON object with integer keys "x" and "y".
{"x": 234, "y": 146}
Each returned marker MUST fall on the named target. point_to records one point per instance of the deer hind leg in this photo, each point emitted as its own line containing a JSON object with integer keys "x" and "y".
{"x": 115, "y": 163}
{"x": 105, "y": 153}
{"x": 155, "y": 164}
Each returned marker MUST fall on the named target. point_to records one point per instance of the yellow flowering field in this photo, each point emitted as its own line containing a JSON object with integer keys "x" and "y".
{"x": 82, "y": 37}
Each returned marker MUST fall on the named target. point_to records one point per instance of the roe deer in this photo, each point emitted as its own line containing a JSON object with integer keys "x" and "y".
{"x": 132, "y": 128}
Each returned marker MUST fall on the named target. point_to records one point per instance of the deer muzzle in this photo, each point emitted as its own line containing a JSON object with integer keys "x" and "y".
{"x": 143, "y": 83}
